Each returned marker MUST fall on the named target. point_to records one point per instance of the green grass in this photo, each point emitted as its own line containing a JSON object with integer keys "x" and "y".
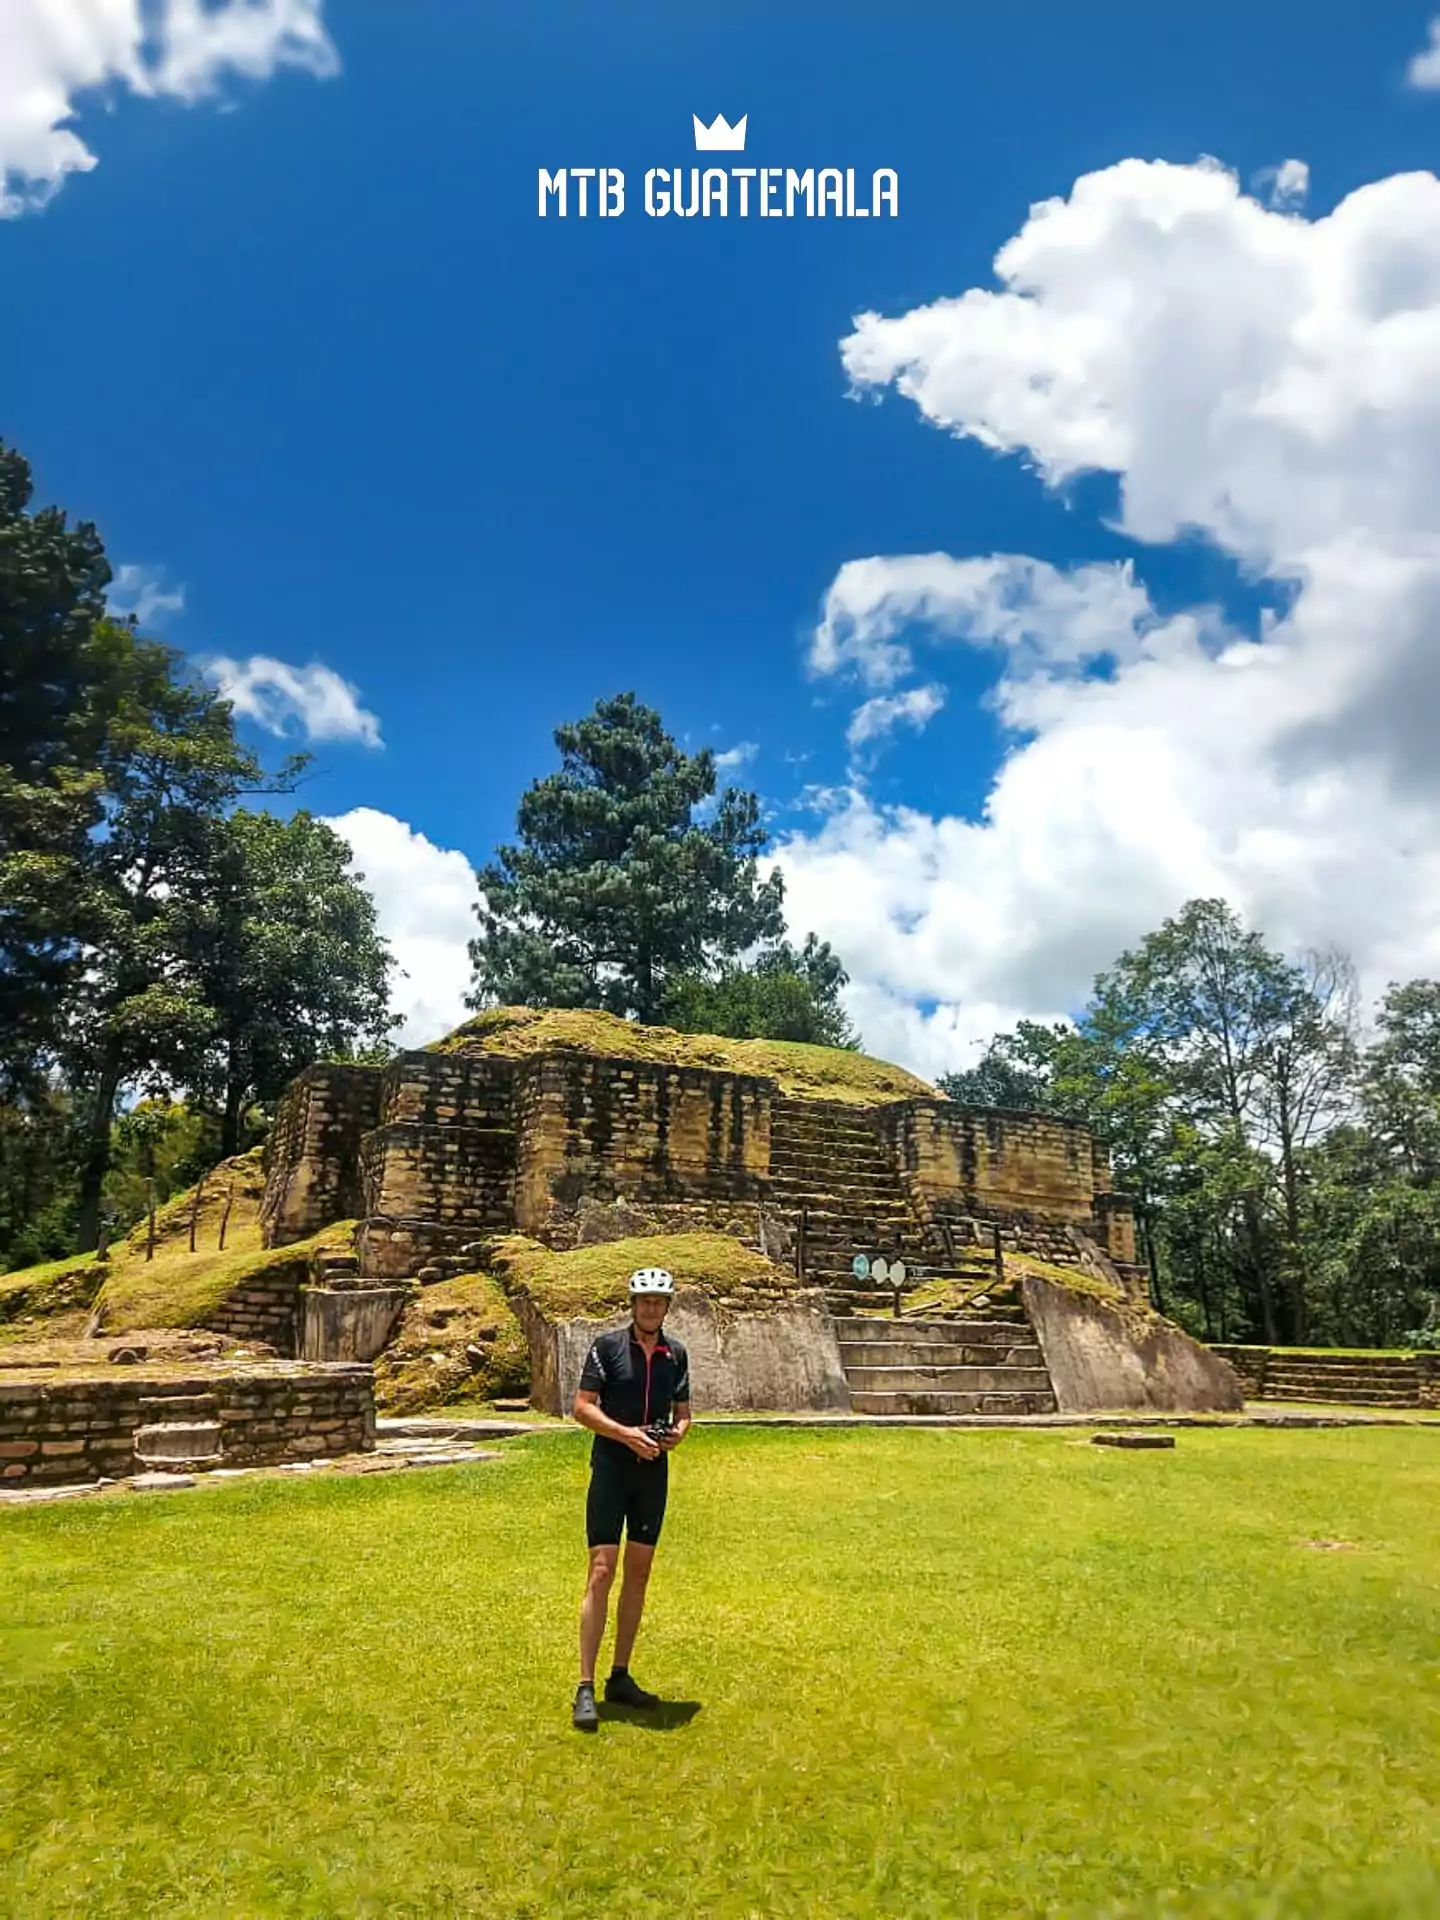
{"x": 592, "y": 1282}
{"x": 938, "y": 1674}
{"x": 806, "y": 1071}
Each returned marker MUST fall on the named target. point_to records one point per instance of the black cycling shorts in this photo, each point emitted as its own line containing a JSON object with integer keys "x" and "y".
{"x": 625, "y": 1493}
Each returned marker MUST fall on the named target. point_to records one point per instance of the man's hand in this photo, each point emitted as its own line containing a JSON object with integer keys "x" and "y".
{"x": 641, "y": 1444}
{"x": 673, "y": 1439}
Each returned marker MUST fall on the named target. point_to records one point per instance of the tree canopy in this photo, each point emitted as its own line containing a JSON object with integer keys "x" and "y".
{"x": 615, "y": 887}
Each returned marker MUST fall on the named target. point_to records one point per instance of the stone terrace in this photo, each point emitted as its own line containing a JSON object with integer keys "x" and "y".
{"x": 108, "y": 1422}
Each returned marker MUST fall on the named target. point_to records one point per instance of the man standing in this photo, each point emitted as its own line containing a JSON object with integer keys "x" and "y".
{"x": 634, "y": 1395}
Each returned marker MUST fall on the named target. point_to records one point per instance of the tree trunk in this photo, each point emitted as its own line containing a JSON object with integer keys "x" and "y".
{"x": 1255, "y": 1235}
{"x": 1203, "y": 1276}
{"x": 97, "y": 1148}
{"x": 1147, "y": 1240}
{"x": 230, "y": 1120}
{"x": 1297, "y": 1276}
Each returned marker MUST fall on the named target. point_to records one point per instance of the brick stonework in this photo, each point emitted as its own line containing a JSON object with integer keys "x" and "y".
{"x": 266, "y": 1307}
{"x": 604, "y": 1128}
{"x": 83, "y": 1427}
{"x": 437, "y": 1150}
{"x": 1375, "y": 1379}
{"x": 312, "y": 1157}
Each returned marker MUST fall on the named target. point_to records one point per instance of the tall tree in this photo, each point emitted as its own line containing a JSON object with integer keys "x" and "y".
{"x": 172, "y": 769}
{"x": 1209, "y": 999}
{"x": 615, "y": 887}
{"x": 1012, "y": 1072}
{"x": 784, "y": 994}
{"x": 57, "y": 699}
{"x": 288, "y": 959}
{"x": 1308, "y": 1066}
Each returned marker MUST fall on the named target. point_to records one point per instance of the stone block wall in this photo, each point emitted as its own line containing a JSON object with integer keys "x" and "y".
{"x": 1027, "y": 1173}
{"x": 82, "y": 1427}
{"x": 438, "y": 1089}
{"x": 453, "y": 1176}
{"x": 312, "y": 1157}
{"x": 266, "y": 1306}
{"x": 436, "y": 1150}
{"x": 613, "y": 1129}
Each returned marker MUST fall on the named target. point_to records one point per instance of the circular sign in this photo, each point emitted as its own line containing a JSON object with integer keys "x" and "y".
{"x": 860, "y": 1267}
{"x": 897, "y": 1274}
{"x": 879, "y": 1270}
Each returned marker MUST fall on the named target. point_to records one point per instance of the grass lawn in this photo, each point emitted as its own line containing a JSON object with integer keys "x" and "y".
{"x": 938, "y": 1674}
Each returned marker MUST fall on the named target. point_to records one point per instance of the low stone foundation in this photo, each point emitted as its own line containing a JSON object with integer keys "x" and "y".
{"x": 782, "y": 1360}
{"x": 1373, "y": 1379}
{"x": 266, "y": 1307}
{"x": 86, "y": 1426}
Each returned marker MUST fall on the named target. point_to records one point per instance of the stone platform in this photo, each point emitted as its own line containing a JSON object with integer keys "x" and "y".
{"x": 108, "y": 1422}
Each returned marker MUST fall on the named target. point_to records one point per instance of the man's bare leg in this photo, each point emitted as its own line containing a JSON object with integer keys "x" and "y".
{"x": 632, "y": 1599}
{"x": 596, "y": 1605}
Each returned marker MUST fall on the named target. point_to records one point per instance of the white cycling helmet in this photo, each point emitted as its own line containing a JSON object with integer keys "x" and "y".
{"x": 651, "y": 1280}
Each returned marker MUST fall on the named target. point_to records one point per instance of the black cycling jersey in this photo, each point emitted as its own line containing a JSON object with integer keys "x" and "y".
{"x": 636, "y": 1389}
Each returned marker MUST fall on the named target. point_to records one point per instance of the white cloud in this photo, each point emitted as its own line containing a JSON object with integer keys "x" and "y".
{"x": 1424, "y": 69}
{"x": 138, "y": 590}
{"x": 425, "y": 907}
{"x": 282, "y": 698}
{"x": 880, "y": 716}
{"x": 53, "y": 52}
{"x": 737, "y": 756}
{"x": 1008, "y": 598}
{"x": 1271, "y": 384}
{"x": 1285, "y": 186}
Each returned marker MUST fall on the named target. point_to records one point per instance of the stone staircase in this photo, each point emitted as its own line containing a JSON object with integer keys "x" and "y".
{"x": 1370, "y": 1380}
{"x": 943, "y": 1366}
{"x": 827, "y": 1161}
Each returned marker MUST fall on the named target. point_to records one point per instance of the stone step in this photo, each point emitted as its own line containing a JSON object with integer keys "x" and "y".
{"x": 190, "y": 1443}
{"x": 949, "y": 1333}
{"x": 159, "y": 1409}
{"x": 1004, "y": 1351}
{"x": 837, "y": 1155}
{"x": 1347, "y": 1396}
{"x": 1346, "y": 1378}
{"x": 1368, "y": 1369}
{"x": 999, "y": 1404}
{"x": 997, "y": 1379}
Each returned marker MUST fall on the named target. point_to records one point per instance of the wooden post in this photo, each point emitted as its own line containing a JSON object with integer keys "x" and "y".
{"x": 150, "y": 1210}
{"x": 999, "y": 1258}
{"x": 195, "y": 1210}
{"x": 225, "y": 1216}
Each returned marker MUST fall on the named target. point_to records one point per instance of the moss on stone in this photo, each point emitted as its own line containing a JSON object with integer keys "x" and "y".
{"x": 800, "y": 1070}
{"x": 590, "y": 1283}
{"x": 458, "y": 1341}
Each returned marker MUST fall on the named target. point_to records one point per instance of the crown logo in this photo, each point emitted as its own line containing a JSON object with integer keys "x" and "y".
{"x": 719, "y": 137}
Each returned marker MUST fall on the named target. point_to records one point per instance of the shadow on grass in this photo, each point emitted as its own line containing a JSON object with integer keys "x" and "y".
{"x": 665, "y": 1718}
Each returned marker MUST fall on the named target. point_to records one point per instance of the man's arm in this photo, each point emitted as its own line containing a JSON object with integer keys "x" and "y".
{"x": 680, "y": 1421}
{"x": 586, "y": 1409}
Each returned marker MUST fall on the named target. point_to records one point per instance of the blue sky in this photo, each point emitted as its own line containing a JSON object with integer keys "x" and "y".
{"x": 300, "y": 344}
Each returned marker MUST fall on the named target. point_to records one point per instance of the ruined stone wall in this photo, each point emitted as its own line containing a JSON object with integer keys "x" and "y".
{"x": 312, "y": 1157}
{"x": 1029, "y": 1174}
{"x": 266, "y": 1306}
{"x": 55, "y": 1428}
{"x": 631, "y": 1129}
{"x": 439, "y": 1166}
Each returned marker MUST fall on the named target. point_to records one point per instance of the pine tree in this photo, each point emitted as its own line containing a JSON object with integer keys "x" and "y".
{"x": 615, "y": 887}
